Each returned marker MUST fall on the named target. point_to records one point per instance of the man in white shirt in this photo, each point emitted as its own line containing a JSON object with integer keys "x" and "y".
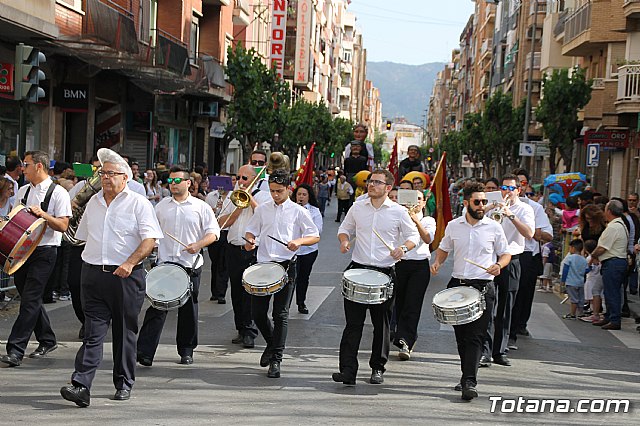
{"x": 481, "y": 240}
{"x": 15, "y": 169}
{"x": 237, "y": 258}
{"x": 290, "y": 223}
{"x": 344, "y": 191}
{"x": 51, "y": 203}
{"x": 191, "y": 221}
{"x": 518, "y": 223}
{"x": 392, "y": 222}
{"x": 120, "y": 230}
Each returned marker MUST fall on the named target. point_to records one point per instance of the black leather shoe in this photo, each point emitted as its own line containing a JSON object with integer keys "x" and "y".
{"x": 523, "y": 332}
{"x": 144, "y": 360}
{"x": 274, "y": 370}
{"x": 122, "y": 395}
{"x": 376, "y": 377}
{"x": 469, "y": 392}
{"x": 501, "y": 360}
{"x": 458, "y": 387}
{"x": 340, "y": 378}
{"x": 12, "y": 359}
{"x": 265, "y": 357}
{"x": 222, "y": 301}
{"x": 76, "y": 394}
{"x": 42, "y": 351}
{"x": 238, "y": 339}
{"x": 186, "y": 359}
{"x": 248, "y": 342}
{"x": 485, "y": 361}
{"x": 303, "y": 309}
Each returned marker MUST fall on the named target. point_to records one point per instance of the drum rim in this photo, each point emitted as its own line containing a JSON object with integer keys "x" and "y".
{"x": 244, "y": 273}
{"x": 10, "y": 268}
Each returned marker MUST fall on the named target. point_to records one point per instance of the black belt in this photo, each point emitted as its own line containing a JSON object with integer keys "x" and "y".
{"x": 515, "y": 256}
{"x": 463, "y": 281}
{"x": 110, "y": 268}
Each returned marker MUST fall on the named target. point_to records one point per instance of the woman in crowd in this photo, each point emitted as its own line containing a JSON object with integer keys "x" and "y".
{"x": 152, "y": 187}
{"x": 323, "y": 193}
{"x": 591, "y": 224}
{"x": 6, "y": 192}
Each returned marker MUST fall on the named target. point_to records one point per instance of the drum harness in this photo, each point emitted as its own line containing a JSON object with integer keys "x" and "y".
{"x": 47, "y": 198}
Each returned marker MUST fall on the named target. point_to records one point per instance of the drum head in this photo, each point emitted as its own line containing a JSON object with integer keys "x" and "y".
{"x": 456, "y": 297}
{"x": 262, "y": 274}
{"x": 167, "y": 282}
{"x": 366, "y": 277}
{"x": 32, "y": 230}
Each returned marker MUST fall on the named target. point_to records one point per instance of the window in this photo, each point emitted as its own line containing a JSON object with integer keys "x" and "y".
{"x": 346, "y": 56}
{"x": 146, "y": 20}
{"x": 194, "y": 39}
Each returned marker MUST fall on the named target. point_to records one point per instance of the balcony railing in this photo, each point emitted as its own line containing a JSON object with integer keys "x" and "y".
{"x": 111, "y": 24}
{"x": 597, "y": 83}
{"x": 487, "y": 45}
{"x": 629, "y": 83}
{"x": 536, "y": 61}
{"x": 171, "y": 53}
{"x": 577, "y": 23}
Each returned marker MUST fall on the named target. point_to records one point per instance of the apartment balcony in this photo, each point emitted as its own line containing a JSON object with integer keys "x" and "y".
{"x": 631, "y": 9}
{"x": 170, "y": 53}
{"x": 110, "y": 25}
{"x": 593, "y": 26}
{"x": 486, "y": 50}
{"x": 241, "y": 13}
{"x": 628, "y": 99}
{"x": 538, "y": 17}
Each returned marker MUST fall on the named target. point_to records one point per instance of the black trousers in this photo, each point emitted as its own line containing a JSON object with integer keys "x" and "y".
{"x": 219, "y": 273}
{"x": 31, "y": 280}
{"x": 187, "y": 329}
{"x": 497, "y": 334}
{"x": 470, "y": 337}
{"x": 75, "y": 273}
{"x": 412, "y": 280}
{"x": 237, "y": 261}
{"x": 304, "y": 264}
{"x": 530, "y": 269}
{"x": 343, "y": 207}
{"x": 109, "y": 299}
{"x": 275, "y": 334}
{"x": 355, "y": 314}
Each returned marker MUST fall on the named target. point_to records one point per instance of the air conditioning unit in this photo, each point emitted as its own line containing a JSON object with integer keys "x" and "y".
{"x": 208, "y": 109}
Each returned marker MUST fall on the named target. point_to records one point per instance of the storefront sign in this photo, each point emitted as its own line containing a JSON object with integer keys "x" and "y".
{"x": 610, "y": 139}
{"x": 72, "y": 97}
{"x": 301, "y": 70}
{"x": 278, "y": 35}
{"x": 6, "y": 77}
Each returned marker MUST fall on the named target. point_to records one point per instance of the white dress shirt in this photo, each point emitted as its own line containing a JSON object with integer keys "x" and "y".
{"x": 524, "y": 212}
{"x": 137, "y": 187}
{"x": 421, "y": 251}
{"x": 362, "y": 197}
{"x": 482, "y": 243}
{"x": 390, "y": 220}
{"x": 114, "y": 232}
{"x": 287, "y": 221}
{"x": 238, "y": 229}
{"x": 59, "y": 206}
{"x": 189, "y": 221}
{"x": 542, "y": 222}
{"x": 316, "y": 216}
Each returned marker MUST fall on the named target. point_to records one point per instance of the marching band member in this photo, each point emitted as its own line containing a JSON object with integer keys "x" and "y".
{"x": 412, "y": 279}
{"x": 51, "y": 203}
{"x": 392, "y": 222}
{"x": 191, "y": 221}
{"x": 120, "y": 230}
{"x": 481, "y": 240}
{"x": 238, "y": 259}
{"x": 290, "y": 223}
{"x": 518, "y": 223}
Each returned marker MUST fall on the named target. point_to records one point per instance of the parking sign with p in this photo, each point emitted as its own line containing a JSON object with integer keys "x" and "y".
{"x": 593, "y": 154}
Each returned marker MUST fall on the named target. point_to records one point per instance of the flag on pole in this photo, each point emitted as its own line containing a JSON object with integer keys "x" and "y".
{"x": 440, "y": 190}
{"x": 393, "y": 161}
{"x": 305, "y": 172}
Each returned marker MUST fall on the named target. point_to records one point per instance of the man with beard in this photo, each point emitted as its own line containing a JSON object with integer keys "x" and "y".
{"x": 481, "y": 240}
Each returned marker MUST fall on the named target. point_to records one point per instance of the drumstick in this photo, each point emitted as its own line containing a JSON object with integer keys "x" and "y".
{"x": 382, "y": 239}
{"x": 176, "y": 240}
{"x": 476, "y": 264}
{"x": 278, "y": 241}
{"x": 253, "y": 244}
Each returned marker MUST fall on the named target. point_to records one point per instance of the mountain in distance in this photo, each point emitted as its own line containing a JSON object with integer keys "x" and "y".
{"x": 404, "y": 89}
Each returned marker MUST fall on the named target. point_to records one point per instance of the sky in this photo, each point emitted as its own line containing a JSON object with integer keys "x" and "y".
{"x": 413, "y": 32}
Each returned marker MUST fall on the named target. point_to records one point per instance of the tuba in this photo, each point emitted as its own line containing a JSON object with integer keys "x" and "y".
{"x": 91, "y": 187}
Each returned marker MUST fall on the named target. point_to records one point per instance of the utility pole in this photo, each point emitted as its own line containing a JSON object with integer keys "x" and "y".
{"x": 527, "y": 111}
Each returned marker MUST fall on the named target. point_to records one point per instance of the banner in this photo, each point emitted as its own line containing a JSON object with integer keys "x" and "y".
{"x": 393, "y": 162}
{"x": 563, "y": 185}
{"x": 305, "y": 172}
{"x": 440, "y": 189}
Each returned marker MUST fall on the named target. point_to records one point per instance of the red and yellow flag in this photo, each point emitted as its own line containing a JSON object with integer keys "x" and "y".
{"x": 440, "y": 189}
{"x": 305, "y": 172}
{"x": 393, "y": 161}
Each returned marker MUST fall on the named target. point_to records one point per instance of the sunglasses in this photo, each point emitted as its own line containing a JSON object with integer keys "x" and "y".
{"x": 242, "y": 177}
{"x": 258, "y": 162}
{"x": 508, "y": 187}
{"x": 279, "y": 180}
{"x": 177, "y": 181}
{"x": 484, "y": 202}
{"x": 529, "y": 194}
{"x": 524, "y": 183}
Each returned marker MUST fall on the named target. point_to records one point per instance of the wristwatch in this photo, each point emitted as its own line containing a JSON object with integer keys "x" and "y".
{"x": 511, "y": 216}
{"x": 404, "y": 249}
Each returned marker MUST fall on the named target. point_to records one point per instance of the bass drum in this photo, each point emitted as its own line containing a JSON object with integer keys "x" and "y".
{"x": 20, "y": 234}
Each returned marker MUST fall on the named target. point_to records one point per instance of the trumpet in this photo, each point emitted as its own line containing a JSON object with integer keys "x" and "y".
{"x": 499, "y": 214}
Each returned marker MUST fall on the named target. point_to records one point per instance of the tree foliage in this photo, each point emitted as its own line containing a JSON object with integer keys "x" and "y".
{"x": 564, "y": 95}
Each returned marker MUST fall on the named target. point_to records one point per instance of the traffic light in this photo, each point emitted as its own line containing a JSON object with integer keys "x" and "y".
{"x": 333, "y": 154}
{"x": 430, "y": 161}
{"x": 28, "y": 73}
{"x": 388, "y": 125}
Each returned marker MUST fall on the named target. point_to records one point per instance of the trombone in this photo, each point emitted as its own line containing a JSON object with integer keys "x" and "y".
{"x": 241, "y": 198}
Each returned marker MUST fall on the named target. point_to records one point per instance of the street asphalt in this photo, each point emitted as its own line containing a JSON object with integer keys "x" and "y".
{"x": 563, "y": 359}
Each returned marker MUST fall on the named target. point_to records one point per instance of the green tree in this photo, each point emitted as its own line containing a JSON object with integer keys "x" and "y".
{"x": 255, "y": 112}
{"x": 452, "y": 143}
{"x": 564, "y": 95}
{"x": 502, "y": 130}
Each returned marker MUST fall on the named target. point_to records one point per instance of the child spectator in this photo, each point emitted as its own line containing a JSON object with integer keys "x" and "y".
{"x": 548, "y": 259}
{"x": 593, "y": 287}
{"x": 571, "y": 215}
{"x": 573, "y": 269}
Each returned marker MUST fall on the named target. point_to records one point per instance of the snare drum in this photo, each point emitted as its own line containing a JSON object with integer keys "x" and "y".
{"x": 20, "y": 234}
{"x": 263, "y": 279}
{"x": 458, "y": 305}
{"x": 366, "y": 286}
{"x": 168, "y": 286}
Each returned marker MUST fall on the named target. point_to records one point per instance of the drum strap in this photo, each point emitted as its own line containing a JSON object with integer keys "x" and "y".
{"x": 47, "y": 198}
